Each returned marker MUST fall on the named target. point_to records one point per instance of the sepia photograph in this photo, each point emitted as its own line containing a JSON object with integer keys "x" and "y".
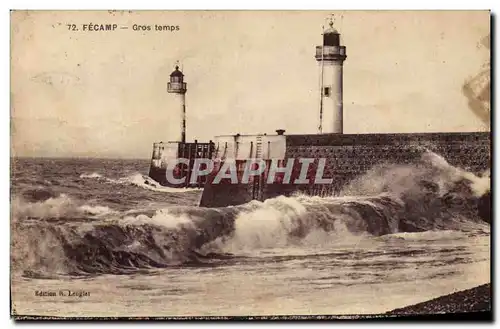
{"x": 245, "y": 164}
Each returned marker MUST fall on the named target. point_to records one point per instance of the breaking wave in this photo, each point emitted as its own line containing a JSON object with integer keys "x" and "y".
{"x": 60, "y": 207}
{"x": 139, "y": 180}
{"x": 92, "y": 175}
{"x": 391, "y": 200}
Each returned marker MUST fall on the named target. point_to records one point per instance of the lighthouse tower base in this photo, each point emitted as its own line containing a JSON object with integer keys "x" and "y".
{"x": 165, "y": 154}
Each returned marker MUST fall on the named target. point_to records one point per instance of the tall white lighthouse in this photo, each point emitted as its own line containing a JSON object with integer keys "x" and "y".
{"x": 178, "y": 87}
{"x": 331, "y": 56}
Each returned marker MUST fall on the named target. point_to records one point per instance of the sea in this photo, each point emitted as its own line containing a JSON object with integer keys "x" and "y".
{"x": 99, "y": 238}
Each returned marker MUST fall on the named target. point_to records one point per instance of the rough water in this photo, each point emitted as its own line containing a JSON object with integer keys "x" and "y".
{"x": 124, "y": 246}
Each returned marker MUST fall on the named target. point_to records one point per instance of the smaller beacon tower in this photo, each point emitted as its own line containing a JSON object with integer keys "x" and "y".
{"x": 178, "y": 87}
{"x": 166, "y": 154}
{"x": 331, "y": 56}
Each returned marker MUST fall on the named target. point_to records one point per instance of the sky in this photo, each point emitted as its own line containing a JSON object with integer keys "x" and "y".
{"x": 103, "y": 93}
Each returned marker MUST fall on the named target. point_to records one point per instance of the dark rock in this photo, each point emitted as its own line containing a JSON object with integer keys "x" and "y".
{"x": 477, "y": 299}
